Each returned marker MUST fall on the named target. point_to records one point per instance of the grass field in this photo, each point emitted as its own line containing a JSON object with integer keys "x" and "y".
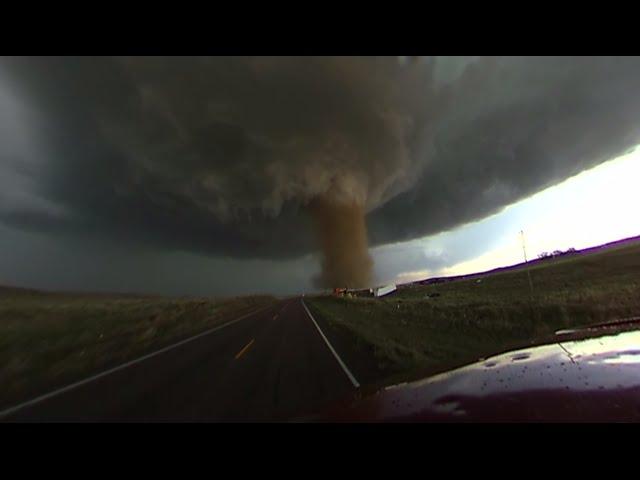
{"x": 411, "y": 334}
{"x": 49, "y": 339}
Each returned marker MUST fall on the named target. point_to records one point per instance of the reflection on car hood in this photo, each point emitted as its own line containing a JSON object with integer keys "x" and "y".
{"x": 596, "y": 379}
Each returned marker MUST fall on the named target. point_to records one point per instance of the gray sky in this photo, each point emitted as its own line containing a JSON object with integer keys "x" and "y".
{"x": 192, "y": 176}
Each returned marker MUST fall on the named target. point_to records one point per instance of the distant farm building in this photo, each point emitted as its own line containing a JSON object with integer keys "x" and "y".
{"x": 371, "y": 292}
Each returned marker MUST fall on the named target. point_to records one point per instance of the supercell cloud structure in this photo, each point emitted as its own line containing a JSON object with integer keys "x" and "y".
{"x": 224, "y": 156}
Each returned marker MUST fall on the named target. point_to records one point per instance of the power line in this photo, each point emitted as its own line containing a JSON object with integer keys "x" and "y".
{"x": 524, "y": 251}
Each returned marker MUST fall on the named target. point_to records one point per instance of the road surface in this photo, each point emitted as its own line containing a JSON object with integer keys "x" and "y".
{"x": 274, "y": 365}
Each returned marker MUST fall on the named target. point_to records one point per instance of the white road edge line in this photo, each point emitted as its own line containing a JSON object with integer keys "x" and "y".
{"x": 28, "y": 403}
{"x": 335, "y": 354}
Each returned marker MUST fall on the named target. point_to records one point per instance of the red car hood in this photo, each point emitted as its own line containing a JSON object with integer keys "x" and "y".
{"x": 593, "y": 379}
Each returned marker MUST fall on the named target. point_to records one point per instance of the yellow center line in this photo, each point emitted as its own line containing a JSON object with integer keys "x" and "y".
{"x": 246, "y": 347}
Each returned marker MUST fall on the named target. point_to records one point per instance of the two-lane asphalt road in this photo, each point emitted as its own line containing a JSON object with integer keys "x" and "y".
{"x": 271, "y": 366}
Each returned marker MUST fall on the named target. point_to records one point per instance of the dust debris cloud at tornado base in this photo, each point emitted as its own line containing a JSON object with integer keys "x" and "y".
{"x": 276, "y": 158}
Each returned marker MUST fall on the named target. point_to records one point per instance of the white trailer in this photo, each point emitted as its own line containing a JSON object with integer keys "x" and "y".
{"x": 382, "y": 291}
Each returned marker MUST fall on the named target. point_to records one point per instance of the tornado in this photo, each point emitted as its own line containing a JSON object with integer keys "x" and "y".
{"x": 341, "y": 232}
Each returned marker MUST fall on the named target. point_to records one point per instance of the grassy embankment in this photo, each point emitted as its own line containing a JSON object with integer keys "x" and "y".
{"x": 411, "y": 334}
{"x": 50, "y": 339}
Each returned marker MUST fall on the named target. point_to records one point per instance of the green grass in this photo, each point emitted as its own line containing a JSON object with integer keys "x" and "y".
{"x": 410, "y": 333}
{"x": 49, "y": 339}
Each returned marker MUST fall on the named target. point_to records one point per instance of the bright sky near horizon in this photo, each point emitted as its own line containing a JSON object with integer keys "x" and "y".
{"x": 594, "y": 207}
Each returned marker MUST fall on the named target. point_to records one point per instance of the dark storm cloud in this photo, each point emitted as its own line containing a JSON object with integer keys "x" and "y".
{"x": 40, "y": 260}
{"x": 223, "y": 155}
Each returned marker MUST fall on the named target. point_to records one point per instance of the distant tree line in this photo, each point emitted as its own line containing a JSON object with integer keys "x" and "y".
{"x": 556, "y": 253}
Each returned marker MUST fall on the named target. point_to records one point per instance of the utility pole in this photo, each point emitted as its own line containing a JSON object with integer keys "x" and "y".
{"x": 524, "y": 251}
